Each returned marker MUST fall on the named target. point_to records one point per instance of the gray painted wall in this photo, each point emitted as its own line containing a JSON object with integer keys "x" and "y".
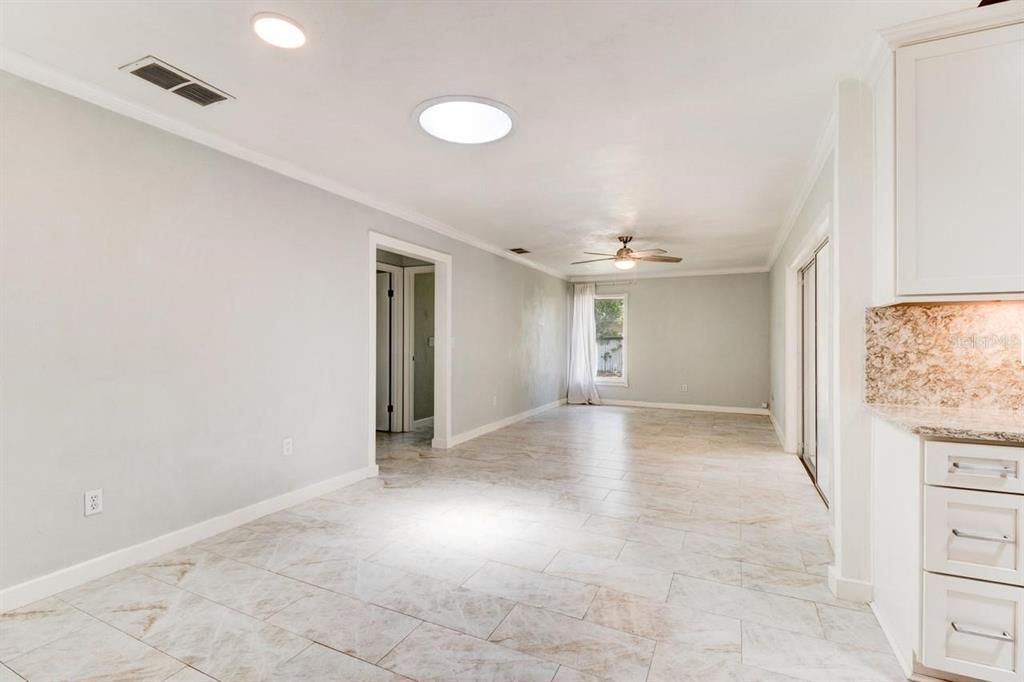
{"x": 710, "y": 333}
{"x": 816, "y": 202}
{"x": 423, "y": 330}
{"x": 171, "y": 313}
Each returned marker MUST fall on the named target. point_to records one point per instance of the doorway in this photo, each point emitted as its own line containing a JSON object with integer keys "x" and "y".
{"x": 390, "y": 346}
{"x": 405, "y": 348}
{"x": 815, "y": 444}
{"x": 419, "y": 348}
{"x": 409, "y": 382}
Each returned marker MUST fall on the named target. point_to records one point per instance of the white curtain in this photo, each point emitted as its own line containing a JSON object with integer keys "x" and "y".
{"x": 582, "y": 351}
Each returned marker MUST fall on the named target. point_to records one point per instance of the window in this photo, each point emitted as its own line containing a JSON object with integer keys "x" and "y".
{"x": 610, "y": 319}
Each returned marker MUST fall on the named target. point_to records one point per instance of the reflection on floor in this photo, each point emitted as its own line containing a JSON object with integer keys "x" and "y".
{"x": 587, "y": 543}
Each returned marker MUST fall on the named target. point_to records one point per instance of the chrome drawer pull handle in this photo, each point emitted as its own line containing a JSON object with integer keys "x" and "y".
{"x": 1005, "y": 539}
{"x": 1001, "y": 636}
{"x": 1001, "y": 472}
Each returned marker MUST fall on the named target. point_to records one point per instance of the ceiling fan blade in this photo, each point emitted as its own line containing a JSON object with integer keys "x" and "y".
{"x": 648, "y": 251}
{"x": 595, "y": 260}
{"x": 658, "y": 259}
{"x": 591, "y": 253}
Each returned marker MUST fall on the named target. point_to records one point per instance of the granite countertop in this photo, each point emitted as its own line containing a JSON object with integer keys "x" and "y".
{"x": 997, "y": 426}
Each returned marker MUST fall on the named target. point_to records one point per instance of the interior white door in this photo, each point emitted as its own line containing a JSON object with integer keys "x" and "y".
{"x": 383, "y": 351}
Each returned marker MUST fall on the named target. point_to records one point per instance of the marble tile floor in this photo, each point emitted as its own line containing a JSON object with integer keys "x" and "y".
{"x": 583, "y": 544}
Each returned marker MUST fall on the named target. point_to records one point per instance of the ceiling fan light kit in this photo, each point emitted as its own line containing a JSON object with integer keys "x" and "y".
{"x": 626, "y": 258}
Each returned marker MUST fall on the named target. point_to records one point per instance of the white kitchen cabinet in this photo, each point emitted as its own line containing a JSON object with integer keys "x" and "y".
{"x": 959, "y": 164}
{"x": 973, "y": 628}
{"x": 975, "y": 534}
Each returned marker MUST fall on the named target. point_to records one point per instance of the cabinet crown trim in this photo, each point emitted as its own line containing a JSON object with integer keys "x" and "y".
{"x": 955, "y": 23}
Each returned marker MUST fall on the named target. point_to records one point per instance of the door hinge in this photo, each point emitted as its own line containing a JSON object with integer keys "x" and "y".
{"x": 391, "y": 408}
{"x": 391, "y": 293}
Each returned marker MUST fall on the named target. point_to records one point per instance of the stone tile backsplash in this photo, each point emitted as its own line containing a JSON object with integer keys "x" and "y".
{"x": 946, "y": 354}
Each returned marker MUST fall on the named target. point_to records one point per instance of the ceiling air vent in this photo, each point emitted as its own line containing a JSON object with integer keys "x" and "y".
{"x": 199, "y": 94}
{"x": 175, "y": 80}
{"x": 519, "y": 250}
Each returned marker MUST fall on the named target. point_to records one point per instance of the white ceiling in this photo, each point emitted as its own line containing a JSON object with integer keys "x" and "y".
{"x": 685, "y": 123}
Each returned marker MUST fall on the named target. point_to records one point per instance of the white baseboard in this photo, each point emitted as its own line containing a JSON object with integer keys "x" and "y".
{"x": 685, "y": 406}
{"x": 64, "y": 579}
{"x": 423, "y": 422}
{"x": 493, "y": 426}
{"x": 907, "y": 666}
{"x": 778, "y": 430}
{"x": 848, "y": 588}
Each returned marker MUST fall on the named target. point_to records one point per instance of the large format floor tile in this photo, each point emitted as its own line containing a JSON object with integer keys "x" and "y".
{"x": 580, "y": 645}
{"x": 675, "y": 663}
{"x": 435, "y": 654}
{"x": 816, "y": 660}
{"x": 321, "y": 663}
{"x": 239, "y": 586}
{"x": 346, "y": 624}
{"x": 217, "y": 640}
{"x": 535, "y": 589}
{"x": 617, "y": 575}
{"x": 749, "y": 605}
{"x": 585, "y": 544}
{"x": 95, "y": 652}
{"x": 474, "y": 612}
{"x": 37, "y": 624}
{"x": 698, "y": 630}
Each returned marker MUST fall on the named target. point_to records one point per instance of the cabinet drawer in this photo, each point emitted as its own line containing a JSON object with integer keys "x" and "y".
{"x": 981, "y": 467}
{"x": 974, "y": 534}
{"x": 973, "y": 628}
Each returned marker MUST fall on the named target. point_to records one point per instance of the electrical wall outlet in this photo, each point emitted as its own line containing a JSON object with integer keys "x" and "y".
{"x": 685, "y": 388}
{"x": 286, "y": 447}
{"x": 93, "y": 502}
{"x": 764, "y": 406}
{"x": 494, "y": 401}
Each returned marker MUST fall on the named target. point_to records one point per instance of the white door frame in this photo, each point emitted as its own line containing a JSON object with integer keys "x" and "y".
{"x": 409, "y": 291}
{"x": 442, "y": 337}
{"x": 397, "y": 347}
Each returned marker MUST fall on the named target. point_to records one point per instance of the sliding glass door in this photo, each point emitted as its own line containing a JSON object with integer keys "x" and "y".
{"x": 816, "y": 369}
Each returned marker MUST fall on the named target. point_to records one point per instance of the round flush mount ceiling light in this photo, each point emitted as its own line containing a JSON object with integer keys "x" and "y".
{"x": 625, "y": 263}
{"x": 463, "y": 119}
{"x": 278, "y": 30}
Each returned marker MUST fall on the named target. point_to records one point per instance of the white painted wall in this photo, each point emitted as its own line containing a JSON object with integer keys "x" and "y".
{"x": 710, "y": 333}
{"x": 843, "y": 195}
{"x": 171, "y": 313}
{"x": 852, "y": 249}
{"x": 818, "y": 201}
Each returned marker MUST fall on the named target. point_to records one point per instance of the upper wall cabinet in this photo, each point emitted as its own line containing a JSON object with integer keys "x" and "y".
{"x": 960, "y": 164}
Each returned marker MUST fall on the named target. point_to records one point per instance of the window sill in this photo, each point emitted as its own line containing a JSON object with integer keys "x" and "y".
{"x": 621, "y": 383}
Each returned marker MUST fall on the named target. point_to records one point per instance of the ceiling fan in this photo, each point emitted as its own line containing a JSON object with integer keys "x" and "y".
{"x": 626, "y": 258}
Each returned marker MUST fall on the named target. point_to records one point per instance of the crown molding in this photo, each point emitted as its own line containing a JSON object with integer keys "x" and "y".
{"x": 955, "y": 23}
{"x": 616, "y": 278}
{"x": 31, "y": 69}
{"x": 822, "y": 149}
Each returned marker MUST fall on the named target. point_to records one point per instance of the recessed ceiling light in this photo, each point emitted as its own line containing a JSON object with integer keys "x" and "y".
{"x": 465, "y": 120}
{"x": 278, "y": 30}
{"x": 625, "y": 263}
